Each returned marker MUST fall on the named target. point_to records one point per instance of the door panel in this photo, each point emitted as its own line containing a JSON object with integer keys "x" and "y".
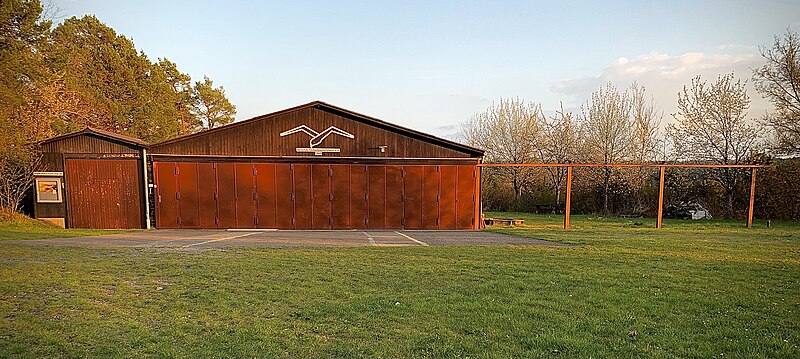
{"x": 376, "y": 217}
{"x": 320, "y": 197}
{"x": 302, "y": 196}
{"x": 340, "y": 197}
{"x": 430, "y": 197}
{"x": 78, "y": 173}
{"x": 265, "y": 189}
{"x": 394, "y": 197}
{"x": 129, "y": 193}
{"x": 447, "y": 197}
{"x": 465, "y": 199}
{"x": 188, "y": 200}
{"x": 284, "y": 192}
{"x": 207, "y": 188}
{"x": 104, "y": 193}
{"x": 358, "y": 196}
{"x": 226, "y": 195}
{"x": 412, "y": 190}
{"x": 166, "y": 195}
{"x": 245, "y": 196}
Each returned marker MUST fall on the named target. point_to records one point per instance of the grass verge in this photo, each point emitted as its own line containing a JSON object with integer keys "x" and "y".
{"x": 20, "y": 227}
{"x": 720, "y": 291}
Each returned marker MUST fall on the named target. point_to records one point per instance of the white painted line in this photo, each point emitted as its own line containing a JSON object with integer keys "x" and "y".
{"x": 252, "y": 230}
{"x": 216, "y": 240}
{"x": 371, "y": 241}
{"x": 409, "y": 237}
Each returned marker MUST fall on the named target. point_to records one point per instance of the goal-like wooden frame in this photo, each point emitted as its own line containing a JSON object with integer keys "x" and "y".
{"x": 662, "y": 167}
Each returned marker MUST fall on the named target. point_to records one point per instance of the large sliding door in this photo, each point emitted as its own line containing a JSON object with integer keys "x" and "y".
{"x": 314, "y": 196}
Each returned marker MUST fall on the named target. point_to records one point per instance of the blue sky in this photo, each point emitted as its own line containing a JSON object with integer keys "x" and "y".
{"x": 430, "y": 65}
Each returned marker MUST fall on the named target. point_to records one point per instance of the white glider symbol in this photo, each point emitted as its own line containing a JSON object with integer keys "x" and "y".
{"x": 316, "y": 138}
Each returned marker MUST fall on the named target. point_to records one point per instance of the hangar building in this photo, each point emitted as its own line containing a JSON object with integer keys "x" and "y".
{"x": 314, "y": 166}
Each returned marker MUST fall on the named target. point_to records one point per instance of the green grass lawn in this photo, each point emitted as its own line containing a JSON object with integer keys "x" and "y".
{"x": 691, "y": 290}
{"x": 15, "y": 226}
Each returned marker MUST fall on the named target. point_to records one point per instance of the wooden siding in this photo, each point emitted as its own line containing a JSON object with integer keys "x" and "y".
{"x": 88, "y": 144}
{"x": 104, "y": 193}
{"x": 51, "y": 162}
{"x": 261, "y": 137}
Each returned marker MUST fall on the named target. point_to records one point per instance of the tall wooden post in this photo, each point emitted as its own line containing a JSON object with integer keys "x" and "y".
{"x": 477, "y": 198}
{"x": 660, "y": 197}
{"x": 752, "y": 198}
{"x": 569, "y": 197}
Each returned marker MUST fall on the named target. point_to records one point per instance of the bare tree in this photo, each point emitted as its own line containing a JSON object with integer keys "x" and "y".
{"x": 608, "y": 130}
{"x": 779, "y": 81}
{"x": 711, "y": 127}
{"x": 507, "y": 131}
{"x": 559, "y": 142}
{"x": 646, "y": 119}
{"x": 645, "y": 141}
{"x": 16, "y": 176}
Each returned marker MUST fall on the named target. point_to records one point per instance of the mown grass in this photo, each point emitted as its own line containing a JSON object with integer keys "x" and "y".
{"x": 17, "y": 226}
{"x": 688, "y": 292}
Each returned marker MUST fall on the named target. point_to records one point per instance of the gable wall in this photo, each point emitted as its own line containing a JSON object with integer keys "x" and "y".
{"x": 262, "y": 138}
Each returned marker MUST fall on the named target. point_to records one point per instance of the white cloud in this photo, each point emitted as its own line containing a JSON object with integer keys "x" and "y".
{"x": 665, "y": 75}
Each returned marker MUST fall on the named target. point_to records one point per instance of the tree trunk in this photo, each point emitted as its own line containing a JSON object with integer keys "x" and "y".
{"x": 606, "y": 185}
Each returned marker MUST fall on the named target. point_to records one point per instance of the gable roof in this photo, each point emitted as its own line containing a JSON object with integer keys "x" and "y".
{"x": 128, "y": 140}
{"x": 347, "y": 114}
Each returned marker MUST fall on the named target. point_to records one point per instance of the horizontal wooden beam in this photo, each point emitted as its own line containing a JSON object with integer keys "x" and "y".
{"x": 655, "y": 165}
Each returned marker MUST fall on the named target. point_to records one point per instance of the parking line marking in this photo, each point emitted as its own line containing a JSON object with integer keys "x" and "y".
{"x": 409, "y": 237}
{"x": 371, "y": 240}
{"x": 216, "y": 240}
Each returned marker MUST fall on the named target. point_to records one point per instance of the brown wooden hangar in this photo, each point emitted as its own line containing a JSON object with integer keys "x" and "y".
{"x": 315, "y": 166}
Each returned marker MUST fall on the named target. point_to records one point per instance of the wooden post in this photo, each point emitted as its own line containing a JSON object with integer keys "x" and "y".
{"x": 660, "y": 198}
{"x": 569, "y": 197}
{"x": 752, "y": 198}
{"x": 477, "y": 199}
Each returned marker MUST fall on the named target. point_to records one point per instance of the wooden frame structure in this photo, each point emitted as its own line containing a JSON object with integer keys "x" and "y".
{"x": 662, "y": 169}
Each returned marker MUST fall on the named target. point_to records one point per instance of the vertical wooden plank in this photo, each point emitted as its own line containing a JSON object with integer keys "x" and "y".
{"x": 166, "y": 182}
{"x": 376, "y": 187}
{"x": 245, "y": 196}
{"x": 358, "y": 196}
{"x": 447, "y": 198}
{"x": 660, "y": 197}
{"x": 752, "y": 198}
{"x": 465, "y": 197}
{"x": 394, "y": 197}
{"x": 320, "y": 197}
{"x": 302, "y": 196}
{"x": 207, "y": 188}
{"x": 568, "y": 200}
{"x": 76, "y": 176}
{"x": 226, "y": 195}
{"x": 284, "y": 194}
{"x": 478, "y": 213}
{"x": 430, "y": 197}
{"x": 412, "y": 190}
{"x": 188, "y": 202}
{"x": 340, "y": 197}
{"x": 265, "y": 189}
{"x": 131, "y": 194}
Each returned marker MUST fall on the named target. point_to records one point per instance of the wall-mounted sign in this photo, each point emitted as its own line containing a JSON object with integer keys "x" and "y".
{"x": 49, "y": 174}
{"x": 317, "y": 138}
{"x": 48, "y": 190}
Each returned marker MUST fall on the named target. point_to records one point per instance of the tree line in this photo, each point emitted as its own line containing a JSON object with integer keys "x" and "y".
{"x": 56, "y": 79}
{"x": 616, "y": 125}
